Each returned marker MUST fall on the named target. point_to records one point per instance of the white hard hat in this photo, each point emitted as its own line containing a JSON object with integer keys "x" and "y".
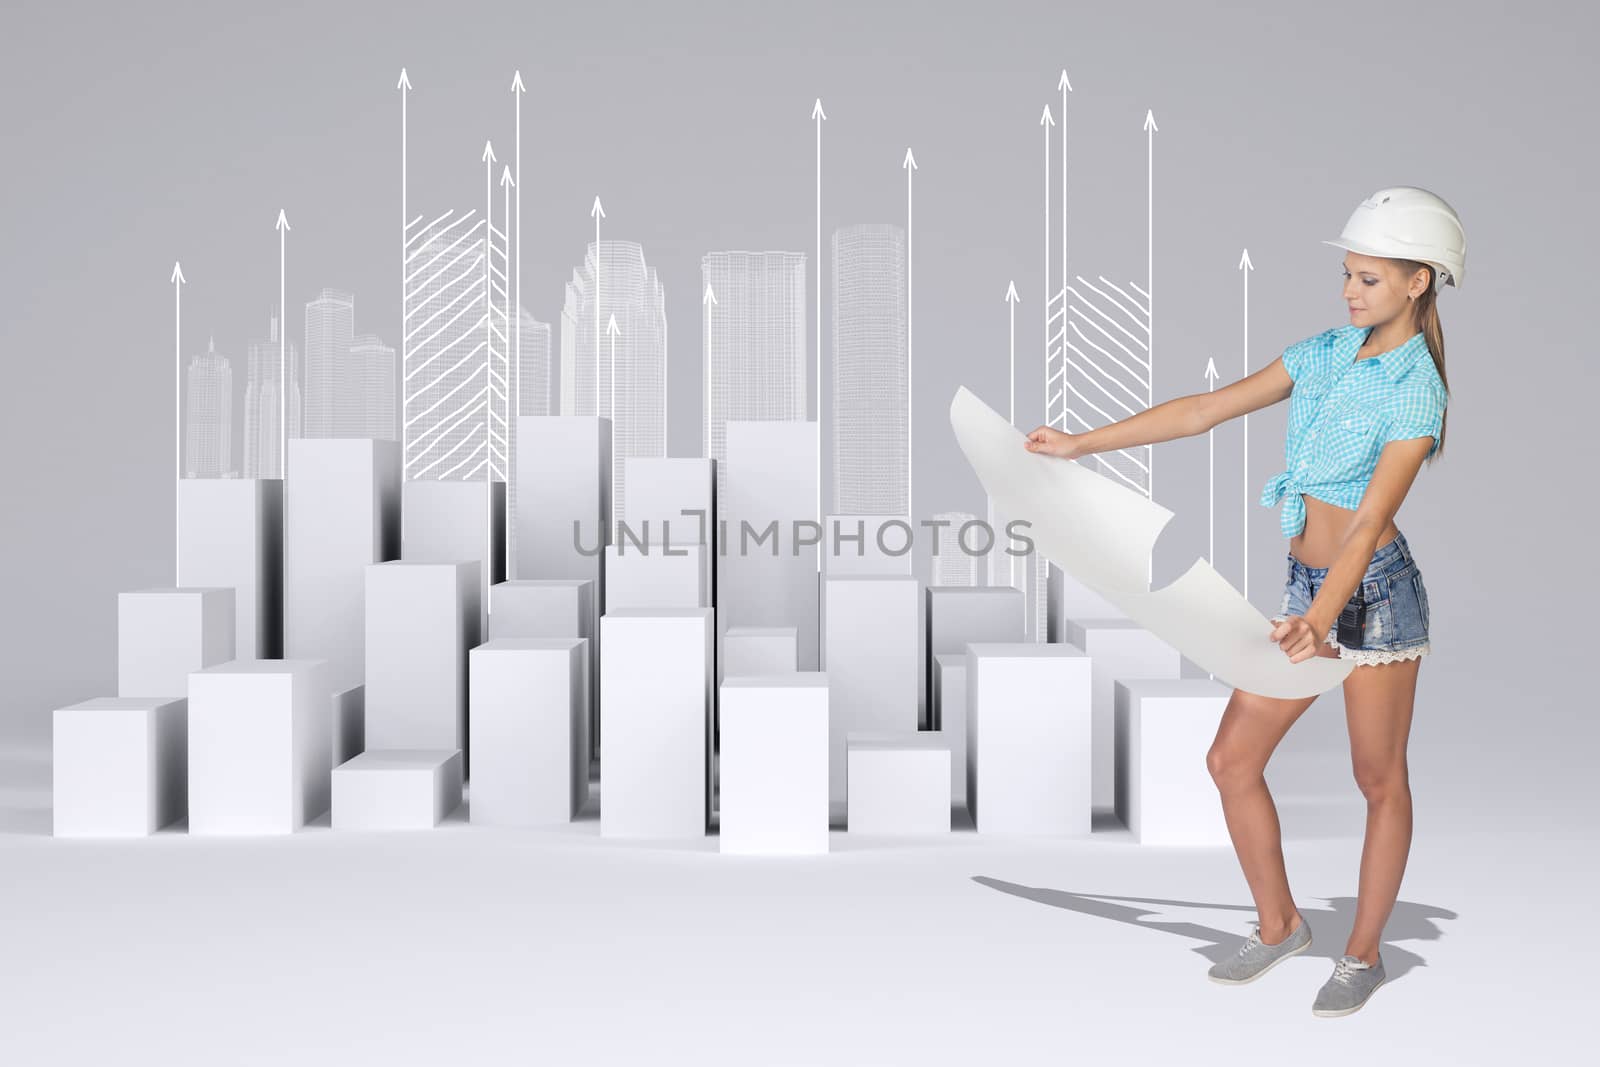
{"x": 1404, "y": 222}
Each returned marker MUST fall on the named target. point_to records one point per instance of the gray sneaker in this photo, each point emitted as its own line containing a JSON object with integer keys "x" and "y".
{"x": 1256, "y": 957}
{"x": 1352, "y": 982}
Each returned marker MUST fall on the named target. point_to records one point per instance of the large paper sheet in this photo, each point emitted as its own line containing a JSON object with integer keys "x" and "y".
{"x": 1103, "y": 533}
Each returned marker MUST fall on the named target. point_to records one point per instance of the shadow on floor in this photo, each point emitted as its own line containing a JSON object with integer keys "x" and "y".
{"x": 1330, "y": 925}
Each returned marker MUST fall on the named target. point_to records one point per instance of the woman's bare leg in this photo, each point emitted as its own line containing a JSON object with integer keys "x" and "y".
{"x": 1378, "y": 705}
{"x": 1251, "y": 727}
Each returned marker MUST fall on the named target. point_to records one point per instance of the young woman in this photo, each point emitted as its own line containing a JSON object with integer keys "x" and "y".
{"x": 1367, "y": 407}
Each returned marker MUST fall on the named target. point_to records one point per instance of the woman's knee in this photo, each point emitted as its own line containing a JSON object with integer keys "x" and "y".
{"x": 1231, "y": 768}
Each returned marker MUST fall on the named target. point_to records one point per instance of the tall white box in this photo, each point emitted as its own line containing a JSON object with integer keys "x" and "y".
{"x": 949, "y": 715}
{"x": 451, "y": 521}
{"x": 768, "y": 573}
{"x": 341, "y": 514}
{"x": 119, "y": 766}
{"x": 1028, "y": 719}
{"x": 421, "y": 620}
{"x": 1120, "y": 649}
{"x": 530, "y": 730}
{"x": 759, "y": 650}
{"x": 563, "y": 515}
{"x": 898, "y": 782}
{"x": 405, "y": 789}
{"x": 656, "y": 576}
{"x": 554, "y": 607}
{"x": 260, "y": 746}
{"x": 655, "y": 704}
{"x": 959, "y": 614}
{"x": 872, "y": 648}
{"x": 674, "y": 499}
{"x": 774, "y": 764}
{"x": 1164, "y": 728}
{"x": 230, "y": 534}
{"x": 163, "y": 634}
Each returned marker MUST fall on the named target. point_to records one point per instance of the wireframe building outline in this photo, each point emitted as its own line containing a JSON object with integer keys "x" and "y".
{"x": 208, "y": 451}
{"x": 870, "y": 370}
{"x": 754, "y": 345}
{"x": 629, "y": 291}
{"x": 953, "y": 565}
{"x": 263, "y": 409}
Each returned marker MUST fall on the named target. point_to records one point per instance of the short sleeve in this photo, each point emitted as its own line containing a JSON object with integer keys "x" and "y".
{"x": 1302, "y": 358}
{"x": 1418, "y": 413}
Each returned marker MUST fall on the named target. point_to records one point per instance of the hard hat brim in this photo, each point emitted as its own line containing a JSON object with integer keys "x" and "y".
{"x": 1441, "y": 277}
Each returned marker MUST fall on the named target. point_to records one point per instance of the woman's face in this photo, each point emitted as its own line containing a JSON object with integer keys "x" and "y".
{"x": 1375, "y": 291}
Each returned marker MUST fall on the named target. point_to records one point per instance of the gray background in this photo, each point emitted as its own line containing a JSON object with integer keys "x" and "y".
{"x": 139, "y": 135}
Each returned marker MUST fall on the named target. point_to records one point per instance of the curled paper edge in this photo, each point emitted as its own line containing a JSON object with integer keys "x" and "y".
{"x": 1103, "y": 534}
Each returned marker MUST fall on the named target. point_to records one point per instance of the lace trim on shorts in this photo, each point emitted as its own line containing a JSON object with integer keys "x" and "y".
{"x": 1370, "y": 657}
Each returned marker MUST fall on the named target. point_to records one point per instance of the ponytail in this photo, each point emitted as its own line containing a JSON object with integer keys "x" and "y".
{"x": 1425, "y": 317}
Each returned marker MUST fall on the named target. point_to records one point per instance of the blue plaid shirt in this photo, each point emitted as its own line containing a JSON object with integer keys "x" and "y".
{"x": 1343, "y": 411}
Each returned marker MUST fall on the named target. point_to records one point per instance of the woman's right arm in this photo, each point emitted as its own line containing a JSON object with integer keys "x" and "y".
{"x": 1182, "y": 416}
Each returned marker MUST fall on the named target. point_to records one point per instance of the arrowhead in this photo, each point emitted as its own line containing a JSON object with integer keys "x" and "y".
{"x": 1150, "y": 121}
{"x": 283, "y": 220}
{"x": 816, "y": 112}
{"x": 1064, "y": 83}
{"x": 488, "y": 152}
{"x": 177, "y": 273}
{"x": 1011, "y": 293}
{"x": 910, "y": 160}
{"x": 405, "y": 82}
{"x": 611, "y": 327}
{"x": 710, "y": 297}
{"x": 516, "y": 83}
{"x": 597, "y": 209}
{"x": 1211, "y": 370}
{"x": 1244, "y": 261}
{"x": 1047, "y": 119}
{"x": 506, "y": 178}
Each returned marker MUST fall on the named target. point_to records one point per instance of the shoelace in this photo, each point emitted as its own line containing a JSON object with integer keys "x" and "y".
{"x": 1347, "y": 966}
{"x": 1253, "y": 940}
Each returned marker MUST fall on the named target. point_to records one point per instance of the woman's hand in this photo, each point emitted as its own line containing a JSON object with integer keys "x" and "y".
{"x": 1296, "y": 637}
{"x": 1049, "y": 441}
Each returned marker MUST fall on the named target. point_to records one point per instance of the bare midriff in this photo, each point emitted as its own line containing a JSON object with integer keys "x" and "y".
{"x": 1326, "y": 526}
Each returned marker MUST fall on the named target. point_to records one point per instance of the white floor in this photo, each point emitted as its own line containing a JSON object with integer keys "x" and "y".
{"x": 470, "y": 945}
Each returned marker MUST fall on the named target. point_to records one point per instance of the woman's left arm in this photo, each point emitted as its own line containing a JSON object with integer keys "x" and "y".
{"x": 1397, "y": 469}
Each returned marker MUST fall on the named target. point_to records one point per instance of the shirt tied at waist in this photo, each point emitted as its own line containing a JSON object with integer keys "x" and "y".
{"x": 1293, "y": 517}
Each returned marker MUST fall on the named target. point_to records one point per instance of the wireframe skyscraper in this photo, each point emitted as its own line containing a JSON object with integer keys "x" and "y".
{"x": 330, "y": 325}
{"x": 870, "y": 370}
{"x": 208, "y": 451}
{"x": 630, "y": 291}
{"x": 263, "y": 410}
{"x": 755, "y": 344}
{"x": 532, "y": 387}
{"x": 366, "y": 407}
{"x": 954, "y": 565}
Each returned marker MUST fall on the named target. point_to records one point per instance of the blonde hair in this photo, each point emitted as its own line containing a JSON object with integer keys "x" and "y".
{"x": 1425, "y": 318}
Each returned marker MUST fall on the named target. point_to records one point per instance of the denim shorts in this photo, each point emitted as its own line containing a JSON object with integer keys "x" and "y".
{"x": 1394, "y": 622}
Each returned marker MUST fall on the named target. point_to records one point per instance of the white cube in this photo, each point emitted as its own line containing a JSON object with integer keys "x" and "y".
{"x": 1164, "y": 728}
{"x": 759, "y": 650}
{"x": 1118, "y": 649}
{"x": 446, "y": 521}
{"x": 396, "y": 789}
{"x": 349, "y": 723}
{"x": 949, "y": 715}
{"x": 260, "y": 746}
{"x": 774, "y": 764}
{"x": 1028, "y": 719}
{"x": 655, "y": 575}
{"x": 553, "y": 607}
{"x": 164, "y": 634}
{"x": 530, "y": 730}
{"x": 421, "y": 619}
{"x": 957, "y": 614}
{"x": 655, "y": 706}
{"x": 898, "y": 783}
{"x": 119, "y": 766}
{"x": 872, "y": 647}
{"x": 230, "y": 535}
{"x": 341, "y": 515}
